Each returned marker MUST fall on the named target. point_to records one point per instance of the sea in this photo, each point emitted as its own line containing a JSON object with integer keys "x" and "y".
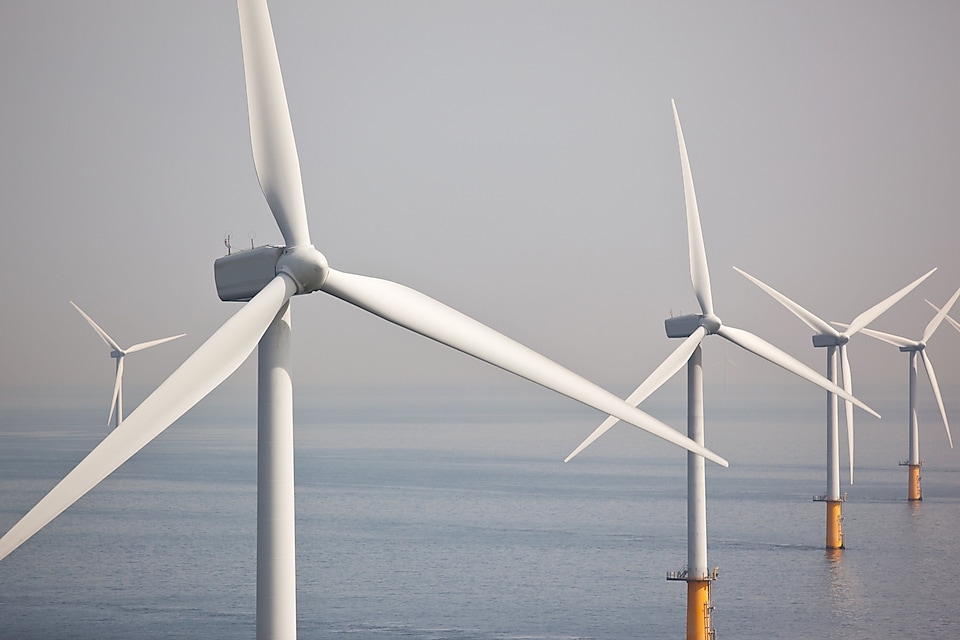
{"x": 449, "y": 514}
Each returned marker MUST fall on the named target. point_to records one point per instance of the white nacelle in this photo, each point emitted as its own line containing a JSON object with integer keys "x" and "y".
{"x": 826, "y": 340}
{"x": 682, "y": 326}
{"x": 242, "y": 275}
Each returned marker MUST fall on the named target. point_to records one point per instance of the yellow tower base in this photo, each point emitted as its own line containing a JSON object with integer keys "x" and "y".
{"x": 699, "y": 625}
{"x": 834, "y": 524}
{"x": 913, "y": 490}
{"x": 699, "y": 604}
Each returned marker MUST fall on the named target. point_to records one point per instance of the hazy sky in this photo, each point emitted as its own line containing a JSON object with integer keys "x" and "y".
{"x": 516, "y": 160}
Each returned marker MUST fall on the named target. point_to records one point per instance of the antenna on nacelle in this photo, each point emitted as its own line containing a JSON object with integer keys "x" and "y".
{"x": 251, "y": 235}
{"x": 226, "y": 243}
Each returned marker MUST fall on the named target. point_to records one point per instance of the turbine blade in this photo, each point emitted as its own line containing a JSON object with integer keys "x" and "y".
{"x": 928, "y": 365}
{"x": 152, "y": 343}
{"x": 117, "y": 383}
{"x": 100, "y": 332}
{"x": 889, "y": 338}
{"x": 956, "y": 325}
{"x": 668, "y": 368}
{"x": 699, "y": 273}
{"x": 209, "y": 365}
{"x": 874, "y": 312}
{"x": 808, "y": 318}
{"x": 848, "y": 387}
{"x": 937, "y": 319}
{"x": 424, "y": 315}
{"x": 654, "y": 381}
{"x": 271, "y": 132}
{"x": 767, "y": 351}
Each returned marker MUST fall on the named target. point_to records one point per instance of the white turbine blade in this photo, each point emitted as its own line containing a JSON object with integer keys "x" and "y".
{"x": 152, "y": 343}
{"x": 100, "y": 332}
{"x": 116, "y": 391}
{"x": 937, "y": 319}
{"x": 271, "y": 132}
{"x": 209, "y": 365}
{"x": 889, "y": 338}
{"x": 874, "y": 312}
{"x": 699, "y": 273}
{"x": 928, "y": 365}
{"x": 809, "y": 319}
{"x": 668, "y": 367}
{"x": 424, "y": 315}
{"x": 767, "y": 351}
{"x": 848, "y": 387}
{"x": 654, "y": 381}
{"x": 956, "y": 325}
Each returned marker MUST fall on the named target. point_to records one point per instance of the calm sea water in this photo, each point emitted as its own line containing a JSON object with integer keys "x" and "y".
{"x": 452, "y": 517}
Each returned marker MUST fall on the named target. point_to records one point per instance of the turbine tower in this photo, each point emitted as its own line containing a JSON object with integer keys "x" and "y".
{"x": 917, "y": 350}
{"x": 117, "y": 353}
{"x": 694, "y": 328}
{"x": 836, "y": 345}
{"x": 267, "y": 278}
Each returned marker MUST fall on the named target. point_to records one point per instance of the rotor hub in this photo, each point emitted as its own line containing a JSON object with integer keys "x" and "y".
{"x": 306, "y": 266}
{"x": 711, "y": 322}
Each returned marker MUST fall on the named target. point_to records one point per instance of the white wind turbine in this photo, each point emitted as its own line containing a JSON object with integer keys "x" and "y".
{"x": 917, "y": 349}
{"x": 118, "y": 353}
{"x": 836, "y": 345}
{"x": 694, "y": 328}
{"x": 268, "y": 277}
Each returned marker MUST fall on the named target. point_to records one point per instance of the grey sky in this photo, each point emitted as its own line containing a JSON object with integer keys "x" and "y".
{"x": 516, "y": 160}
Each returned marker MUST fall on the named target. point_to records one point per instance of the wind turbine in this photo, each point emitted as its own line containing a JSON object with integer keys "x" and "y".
{"x": 267, "y": 278}
{"x": 726, "y": 362}
{"x": 117, "y": 353}
{"x": 917, "y": 349}
{"x": 836, "y": 345}
{"x": 694, "y": 328}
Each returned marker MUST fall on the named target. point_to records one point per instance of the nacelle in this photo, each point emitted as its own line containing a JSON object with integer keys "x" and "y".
{"x": 242, "y": 275}
{"x": 827, "y": 340}
{"x": 682, "y": 326}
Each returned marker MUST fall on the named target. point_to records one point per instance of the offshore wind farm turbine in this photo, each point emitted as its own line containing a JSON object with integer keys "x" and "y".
{"x": 917, "y": 349}
{"x": 836, "y": 345}
{"x": 118, "y": 353}
{"x": 267, "y": 278}
{"x": 694, "y": 328}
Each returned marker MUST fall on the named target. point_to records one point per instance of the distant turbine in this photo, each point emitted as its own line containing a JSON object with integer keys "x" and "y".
{"x": 835, "y": 342}
{"x": 726, "y": 361}
{"x": 917, "y": 348}
{"x": 694, "y": 328}
{"x": 267, "y": 278}
{"x": 116, "y": 402}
